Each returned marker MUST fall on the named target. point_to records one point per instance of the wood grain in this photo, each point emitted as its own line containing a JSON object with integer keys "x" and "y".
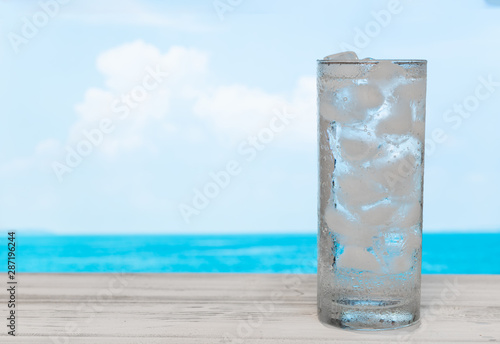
{"x": 232, "y": 308}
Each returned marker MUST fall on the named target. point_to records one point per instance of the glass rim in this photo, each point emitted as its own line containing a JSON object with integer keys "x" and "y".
{"x": 360, "y": 62}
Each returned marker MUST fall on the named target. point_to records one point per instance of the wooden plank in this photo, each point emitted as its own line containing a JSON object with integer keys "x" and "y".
{"x": 232, "y": 308}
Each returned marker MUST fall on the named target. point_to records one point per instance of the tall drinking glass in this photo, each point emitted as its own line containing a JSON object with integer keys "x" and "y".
{"x": 371, "y": 160}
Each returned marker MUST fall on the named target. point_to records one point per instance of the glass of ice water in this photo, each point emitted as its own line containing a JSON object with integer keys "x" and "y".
{"x": 371, "y": 130}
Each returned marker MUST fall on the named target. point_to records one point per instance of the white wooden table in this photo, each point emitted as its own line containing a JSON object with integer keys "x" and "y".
{"x": 231, "y": 308}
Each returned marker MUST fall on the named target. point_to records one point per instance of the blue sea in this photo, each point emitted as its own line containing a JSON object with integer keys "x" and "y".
{"x": 442, "y": 253}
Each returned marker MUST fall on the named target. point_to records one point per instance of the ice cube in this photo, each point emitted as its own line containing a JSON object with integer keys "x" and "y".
{"x": 348, "y": 103}
{"x": 348, "y": 230}
{"x": 357, "y": 150}
{"x": 399, "y": 177}
{"x": 413, "y": 90}
{"x": 386, "y": 70}
{"x": 414, "y": 238}
{"x": 403, "y": 262}
{"x": 356, "y": 257}
{"x": 332, "y": 98}
{"x": 344, "y": 56}
{"x": 341, "y": 104}
{"x": 381, "y": 214}
{"x": 410, "y": 215}
{"x": 361, "y": 236}
{"x": 418, "y": 130}
{"x": 355, "y": 190}
{"x": 338, "y": 221}
{"x": 328, "y": 84}
{"x": 328, "y": 111}
{"x": 407, "y": 106}
{"x": 408, "y": 253}
{"x": 345, "y": 101}
{"x": 399, "y": 121}
{"x": 393, "y": 250}
{"x": 368, "y": 96}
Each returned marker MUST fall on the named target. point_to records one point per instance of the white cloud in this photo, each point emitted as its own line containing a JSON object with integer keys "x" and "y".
{"x": 188, "y": 107}
{"x": 303, "y": 104}
{"x": 127, "y": 70}
{"x": 238, "y": 111}
{"x": 231, "y": 111}
{"x": 124, "y": 66}
{"x": 95, "y": 105}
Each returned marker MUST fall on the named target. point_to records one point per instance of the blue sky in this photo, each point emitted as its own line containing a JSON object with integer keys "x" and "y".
{"x": 217, "y": 79}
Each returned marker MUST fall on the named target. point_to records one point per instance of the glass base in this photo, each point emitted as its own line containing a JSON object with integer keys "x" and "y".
{"x": 370, "y": 315}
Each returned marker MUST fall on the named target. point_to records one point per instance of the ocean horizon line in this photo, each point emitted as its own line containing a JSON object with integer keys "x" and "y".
{"x": 29, "y": 232}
